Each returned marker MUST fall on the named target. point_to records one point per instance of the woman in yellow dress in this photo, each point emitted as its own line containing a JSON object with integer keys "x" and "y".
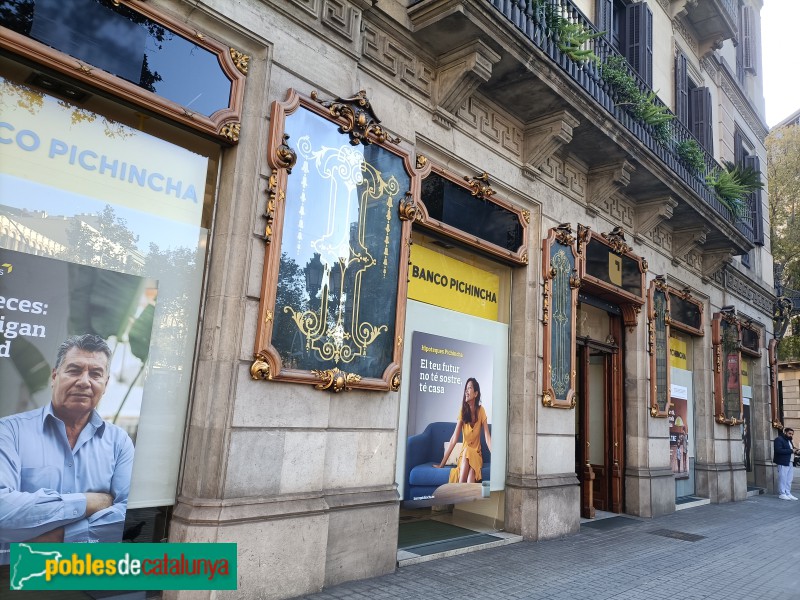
{"x": 471, "y": 419}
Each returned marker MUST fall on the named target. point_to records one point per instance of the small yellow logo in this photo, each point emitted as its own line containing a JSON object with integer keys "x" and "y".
{"x": 6, "y": 268}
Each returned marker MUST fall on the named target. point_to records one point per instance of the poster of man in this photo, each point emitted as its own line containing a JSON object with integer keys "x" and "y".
{"x": 448, "y": 448}
{"x": 73, "y": 342}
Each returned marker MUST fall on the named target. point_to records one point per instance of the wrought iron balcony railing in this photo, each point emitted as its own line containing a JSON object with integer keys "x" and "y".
{"x": 529, "y": 17}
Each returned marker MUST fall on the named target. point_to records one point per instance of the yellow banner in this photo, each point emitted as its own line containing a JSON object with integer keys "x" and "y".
{"x": 677, "y": 354}
{"x": 53, "y": 143}
{"x": 443, "y": 281}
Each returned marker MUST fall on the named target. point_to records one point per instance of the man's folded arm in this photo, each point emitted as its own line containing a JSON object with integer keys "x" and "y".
{"x": 26, "y": 515}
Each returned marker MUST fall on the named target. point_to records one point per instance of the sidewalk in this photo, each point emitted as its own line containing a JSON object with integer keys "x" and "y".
{"x": 741, "y": 550}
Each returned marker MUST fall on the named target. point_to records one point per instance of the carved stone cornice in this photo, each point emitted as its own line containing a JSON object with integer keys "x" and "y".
{"x": 686, "y": 240}
{"x": 544, "y": 136}
{"x": 714, "y": 260}
{"x": 461, "y": 72}
{"x": 651, "y": 214}
{"x": 730, "y": 85}
{"x": 605, "y": 181}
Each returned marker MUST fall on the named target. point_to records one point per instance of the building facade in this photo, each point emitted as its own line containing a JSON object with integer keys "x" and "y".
{"x": 352, "y": 209}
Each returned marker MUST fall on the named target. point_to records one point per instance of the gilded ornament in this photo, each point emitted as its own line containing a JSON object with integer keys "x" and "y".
{"x": 361, "y": 123}
{"x": 524, "y": 257}
{"x": 653, "y": 410}
{"x": 616, "y": 237}
{"x": 260, "y": 368}
{"x": 574, "y": 280}
{"x": 335, "y": 380}
{"x": 564, "y": 234}
{"x": 660, "y": 282}
{"x": 408, "y": 209}
{"x": 395, "y": 383}
{"x": 269, "y": 316}
{"x": 526, "y": 216}
{"x": 230, "y": 131}
{"x": 284, "y": 155}
{"x": 421, "y": 161}
{"x": 240, "y": 60}
{"x": 547, "y": 398}
{"x": 546, "y": 304}
{"x": 480, "y": 186}
{"x": 584, "y": 234}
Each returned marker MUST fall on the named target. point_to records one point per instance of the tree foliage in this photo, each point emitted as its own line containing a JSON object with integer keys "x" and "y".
{"x": 783, "y": 171}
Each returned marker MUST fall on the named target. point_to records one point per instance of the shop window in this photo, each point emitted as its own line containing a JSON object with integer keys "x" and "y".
{"x": 336, "y": 260}
{"x": 131, "y": 47}
{"x": 561, "y": 283}
{"x": 733, "y": 337}
{"x": 668, "y": 308}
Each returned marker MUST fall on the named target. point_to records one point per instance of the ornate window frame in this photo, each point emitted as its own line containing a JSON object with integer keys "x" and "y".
{"x": 355, "y": 119}
{"x": 224, "y": 125}
{"x": 480, "y": 187}
{"x": 663, "y": 314}
{"x": 772, "y": 350}
{"x": 726, "y": 323}
{"x": 630, "y": 304}
{"x": 560, "y": 267}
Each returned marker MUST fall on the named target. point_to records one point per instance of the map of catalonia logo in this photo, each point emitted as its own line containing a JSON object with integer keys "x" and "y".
{"x": 123, "y": 567}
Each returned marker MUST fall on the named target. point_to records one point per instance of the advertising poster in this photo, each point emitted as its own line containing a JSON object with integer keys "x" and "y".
{"x": 74, "y": 341}
{"x": 446, "y": 374}
{"x": 747, "y": 394}
{"x": 679, "y": 432}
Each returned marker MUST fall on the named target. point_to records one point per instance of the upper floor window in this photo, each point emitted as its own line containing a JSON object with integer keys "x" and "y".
{"x": 629, "y": 28}
{"x": 746, "y": 59}
{"x": 693, "y": 105}
{"x": 745, "y": 156}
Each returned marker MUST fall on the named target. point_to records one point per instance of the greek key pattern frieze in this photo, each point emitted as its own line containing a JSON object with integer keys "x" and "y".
{"x": 492, "y": 125}
{"x": 694, "y": 260}
{"x": 568, "y": 179}
{"x": 661, "y": 237}
{"x": 312, "y": 7}
{"x": 341, "y": 18}
{"x": 619, "y": 211}
{"x": 403, "y": 66}
{"x": 742, "y": 288}
{"x": 679, "y": 26}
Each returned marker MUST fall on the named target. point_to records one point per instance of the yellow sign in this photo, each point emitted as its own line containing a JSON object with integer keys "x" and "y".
{"x": 615, "y": 269}
{"x": 677, "y": 353}
{"x": 51, "y": 143}
{"x": 443, "y": 281}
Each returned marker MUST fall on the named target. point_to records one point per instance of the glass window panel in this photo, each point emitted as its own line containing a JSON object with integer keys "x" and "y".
{"x": 456, "y": 206}
{"x": 661, "y": 349}
{"x": 731, "y": 369}
{"x": 613, "y": 269}
{"x": 750, "y": 339}
{"x": 339, "y": 265}
{"x": 126, "y": 44}
{"x": 682, "y": 311}
{"x": 562, "y": 263}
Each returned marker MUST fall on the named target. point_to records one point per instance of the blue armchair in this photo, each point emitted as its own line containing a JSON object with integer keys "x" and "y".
{"x": 427, "y": 448}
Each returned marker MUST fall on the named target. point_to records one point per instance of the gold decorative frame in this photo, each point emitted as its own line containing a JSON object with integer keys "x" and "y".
{"x": 729, "y": 316}
{"x": 224, "y": 125}
{"x": 772, "y": 350}
{"x": 630, "y": 304}
{"x": 480, "y": 187}
{"x": 356, "y": 120}
{"x": 686, "y": 295}
{"x": 658, "y": 285}
{"x": 557, "y": 276}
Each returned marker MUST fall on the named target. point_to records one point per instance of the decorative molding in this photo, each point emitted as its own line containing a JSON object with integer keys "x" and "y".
{"x": 260, "y": 368}
{"x": 563, "y": 176}
{"x": 661, "y": 237}
{"x": 461, "y": 72}
{"x": 492, "y": 124}
{"x": 685, "y": 241}
{"x": 335, "y": 381}
{"x": 744, "y": 288}
{"x": 362, "y": 122}
{"x": 680, "y": 27}
{"x": 606, "y": 181}
{"x": 231, "y": 131}
{"x": 480, "y": 186}
{"x": 341, "y": 18}
{"x": 240, "y": 60}
{"x": 714, "y": 260}
{"x": 742, "y": 104}
{"x": 650, "y": 214}
{"x": 312, "y": 7}
{"x": 616, "y": 239}
{"x": 544, "y": 137}
{"x": 404, "y": 67}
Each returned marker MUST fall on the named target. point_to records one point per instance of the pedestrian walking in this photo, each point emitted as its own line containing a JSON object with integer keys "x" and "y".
{"x": 783, "y": 456}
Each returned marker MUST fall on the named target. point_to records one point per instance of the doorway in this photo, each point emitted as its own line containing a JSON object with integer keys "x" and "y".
{"x": 599, "y": 438}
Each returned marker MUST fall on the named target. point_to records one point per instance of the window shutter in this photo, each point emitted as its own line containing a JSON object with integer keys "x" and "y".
{"x": 681, "y": 89}
{"x": 748, "y": 41}
{"x": 701, "y": 111}
{"x": 639, "y": 40}
{"x": 755, "y": 203}
{"x": 738, "y": 147}
{"x": 604, "y": 17}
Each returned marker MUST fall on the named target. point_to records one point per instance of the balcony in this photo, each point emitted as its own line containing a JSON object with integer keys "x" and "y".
{"x": 533, "y": 77}
{"x": 712, "y": 20}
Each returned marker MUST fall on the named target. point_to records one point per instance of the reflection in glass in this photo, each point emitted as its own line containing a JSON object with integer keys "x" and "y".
{"x": 562, "y": 264}
{"x": 611, "y": 268}
{"x": 750, "y": 339}
{"x": 339, "y": 266}
{"x": 126, "y": 44}
{"x": 661, "y": 353}
{"x": 730, "y": 369}
{"x": 456, "y": 206}
{"x": 684, "y": 312}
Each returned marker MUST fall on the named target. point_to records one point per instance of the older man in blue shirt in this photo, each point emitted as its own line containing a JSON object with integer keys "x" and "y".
{"x": 64, "y": 472}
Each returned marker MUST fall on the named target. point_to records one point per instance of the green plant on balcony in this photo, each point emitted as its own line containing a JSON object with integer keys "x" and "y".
{"x": 643, "y": 106}
{"x": 691, "y": 155}
{"x": 570, "y": 37}
{"x": 732, "y": 184}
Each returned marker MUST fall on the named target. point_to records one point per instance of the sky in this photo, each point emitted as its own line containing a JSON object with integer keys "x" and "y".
{"x": 779, "y": 19}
